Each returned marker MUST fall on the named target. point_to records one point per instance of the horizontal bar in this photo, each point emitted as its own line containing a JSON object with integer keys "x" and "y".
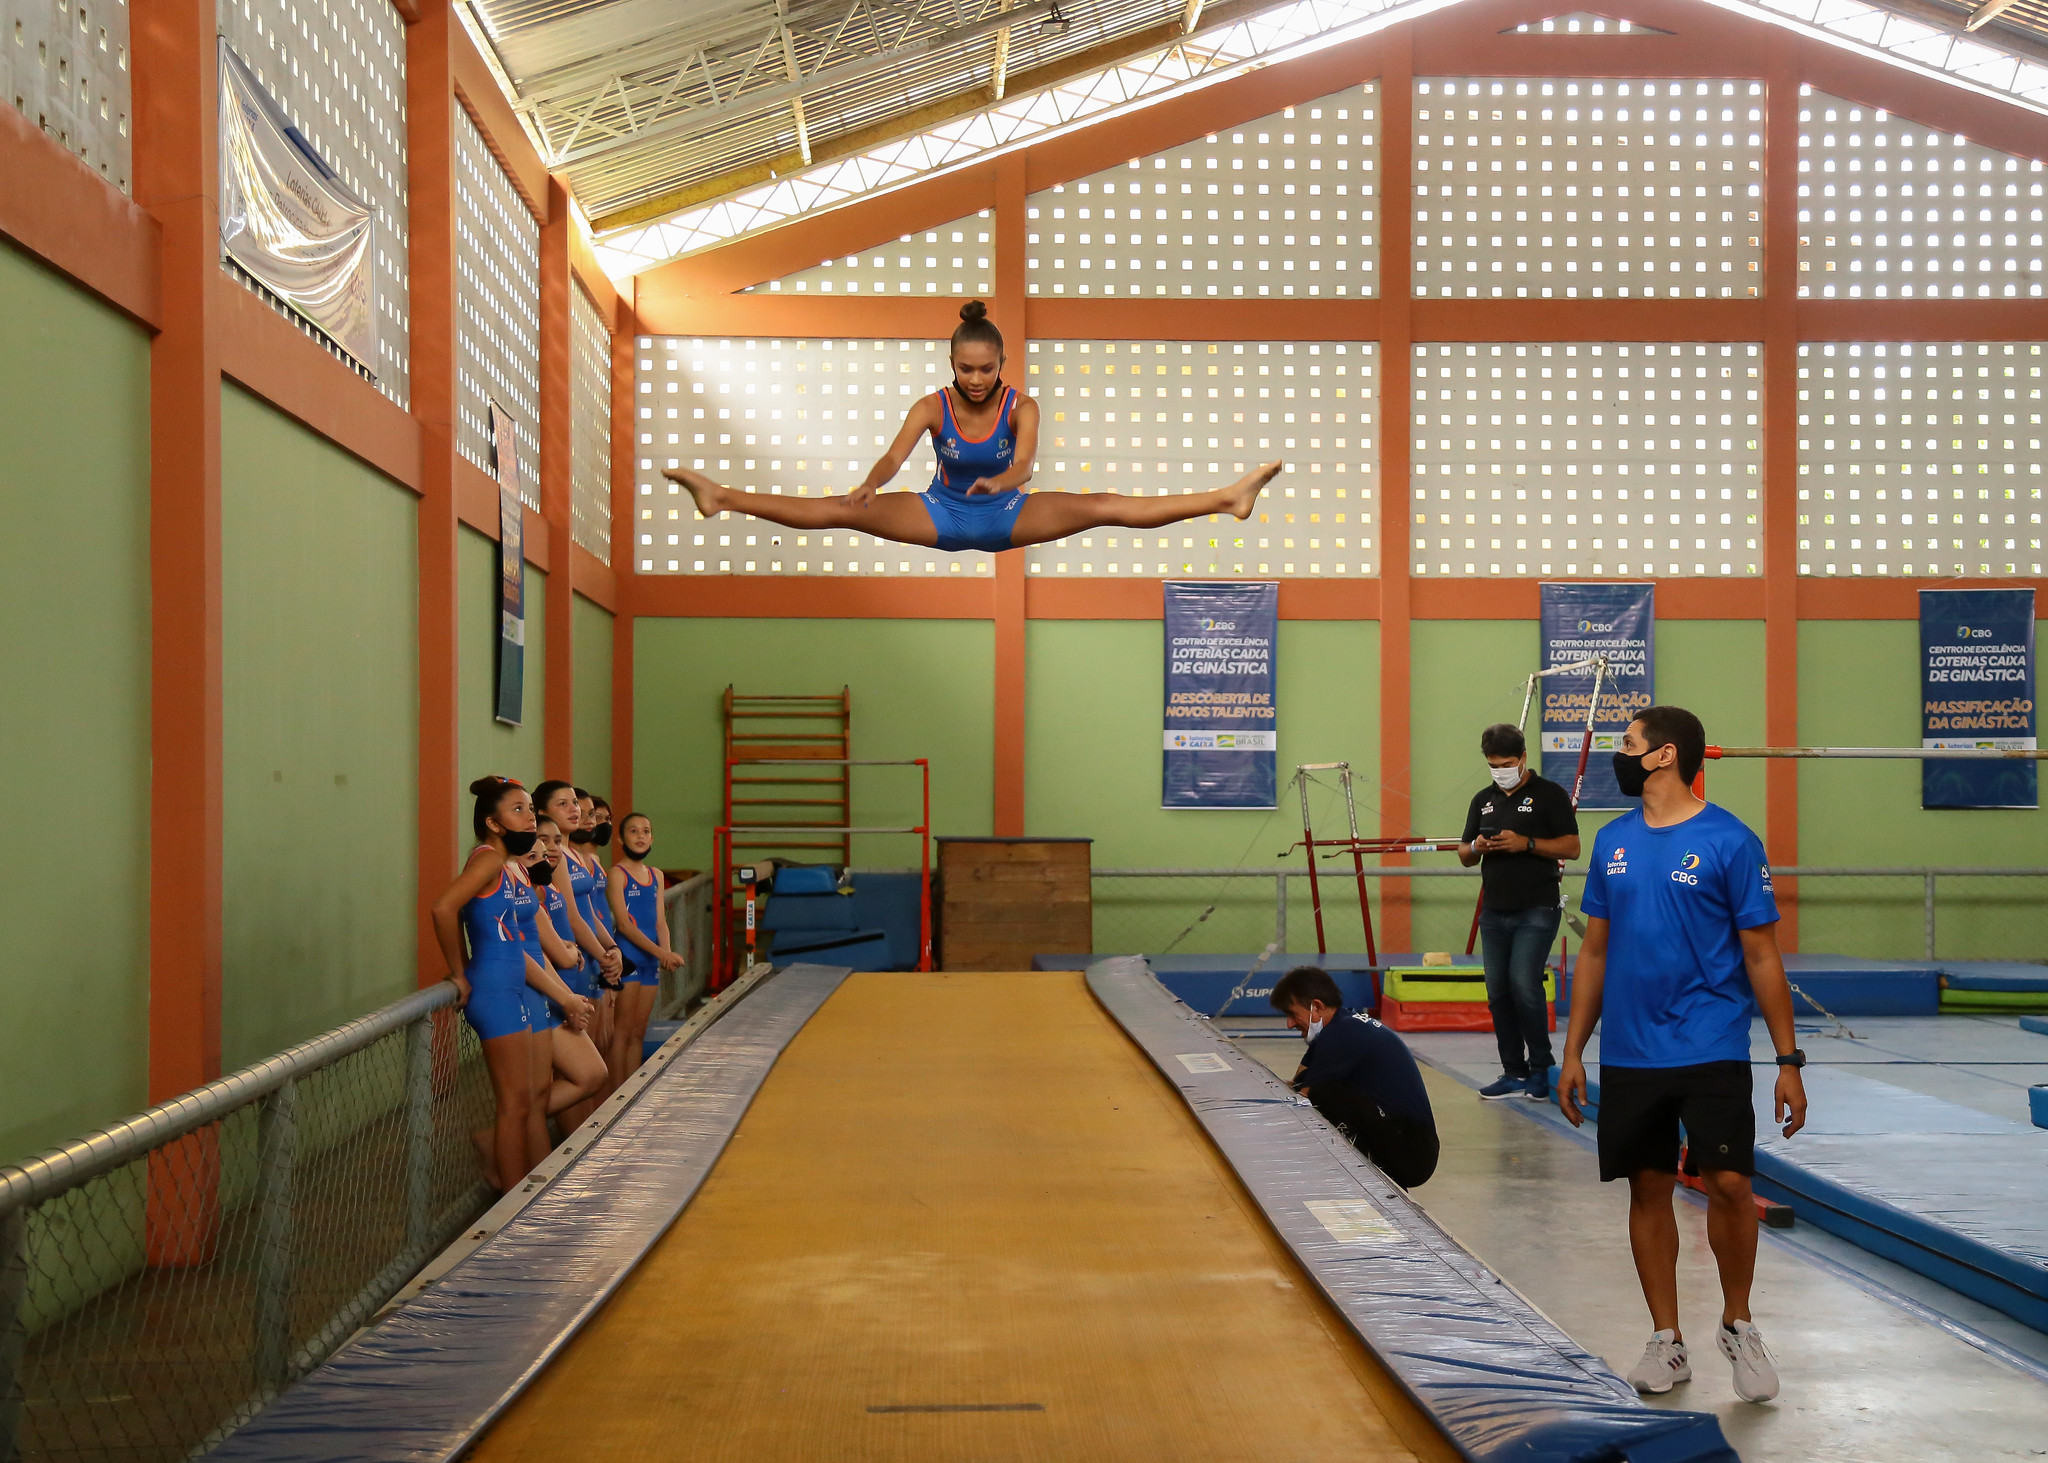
{"x": 1790, "y": 871}
{"x": 124, "y": 1142}
{"x": 836, "y": 761}
{"x": 791, "y": 828}
{"x": 1900, "y": 753}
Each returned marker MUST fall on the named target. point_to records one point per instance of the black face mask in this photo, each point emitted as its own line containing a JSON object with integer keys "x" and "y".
{"x": 520, "y": 844}
{"x": 542, "y": 873}
{"x": 1630, "y": 774}
{"x": 602, "y": 837}
{"x": 581, "y": 835}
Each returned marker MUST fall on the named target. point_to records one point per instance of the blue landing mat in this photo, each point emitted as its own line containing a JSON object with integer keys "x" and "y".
{"x": 2015, "y": 976}
{"x": 1203, "y": 981}
{"x": 1847, "y": 985}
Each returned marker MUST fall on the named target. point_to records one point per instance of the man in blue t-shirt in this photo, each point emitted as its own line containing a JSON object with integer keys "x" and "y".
{"x": 1360, "y": 1076}
{"x": 1681, "y": 946}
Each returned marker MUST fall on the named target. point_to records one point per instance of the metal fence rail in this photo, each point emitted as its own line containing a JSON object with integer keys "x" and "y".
{"x": 160, "y": 1280}
{"x": 689, "y": 933}
{"x": 1911, "y": 912}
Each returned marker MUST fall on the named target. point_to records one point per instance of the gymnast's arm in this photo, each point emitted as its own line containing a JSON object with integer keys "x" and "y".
{"x": 922, "y": 418}
{"x": 1024, "y": 427}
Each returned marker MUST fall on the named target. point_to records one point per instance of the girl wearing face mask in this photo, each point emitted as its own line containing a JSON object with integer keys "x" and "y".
{"x": 476, "y": 920}
{"x": 635, "y": 892}
{"x": 580, "y": 878}
{"x": 985, "y": 436}
{"x": 572, "y": 1071}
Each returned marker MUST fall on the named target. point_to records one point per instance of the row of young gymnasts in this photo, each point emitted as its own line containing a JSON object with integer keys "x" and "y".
{"x": 557, "y": 958}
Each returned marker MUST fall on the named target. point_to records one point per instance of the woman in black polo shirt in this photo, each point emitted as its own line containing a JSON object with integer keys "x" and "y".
{"x": 1517, "y": 831}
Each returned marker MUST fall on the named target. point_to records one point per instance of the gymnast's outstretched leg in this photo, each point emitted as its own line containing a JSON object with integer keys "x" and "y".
{"x": 898, "y": 516}
{"x": 1046, "y": 516}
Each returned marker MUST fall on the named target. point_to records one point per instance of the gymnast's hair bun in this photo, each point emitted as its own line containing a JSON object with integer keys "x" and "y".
{"x": 484, "y": 786}
{"x": 974, "y": 310}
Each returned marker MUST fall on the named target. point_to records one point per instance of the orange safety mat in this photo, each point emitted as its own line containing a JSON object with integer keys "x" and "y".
{"x": 966, "y": 1219}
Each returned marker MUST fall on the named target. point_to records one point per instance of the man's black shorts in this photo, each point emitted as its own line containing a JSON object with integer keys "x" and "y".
{"x": 1641, "y": 1109}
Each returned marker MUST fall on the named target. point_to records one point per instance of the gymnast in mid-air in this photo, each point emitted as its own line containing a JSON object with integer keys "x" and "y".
{"x": 986, "y": 437}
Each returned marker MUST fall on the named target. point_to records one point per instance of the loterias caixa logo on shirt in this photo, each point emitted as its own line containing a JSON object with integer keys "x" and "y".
{"x": 1617, "y": 861}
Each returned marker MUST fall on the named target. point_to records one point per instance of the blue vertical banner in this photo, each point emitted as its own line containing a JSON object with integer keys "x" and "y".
{"x": 1580, "y": 621}
{"x": 1977, "y": 690}
{"x": 1222, "y": 737}
{"x": 511, "y": 571}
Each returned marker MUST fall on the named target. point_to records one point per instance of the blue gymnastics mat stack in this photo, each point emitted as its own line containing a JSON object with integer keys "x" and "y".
{"x": 1204, "y": 981}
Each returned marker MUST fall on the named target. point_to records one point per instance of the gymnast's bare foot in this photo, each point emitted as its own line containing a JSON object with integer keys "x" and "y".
{"x": 710, "y": 497}
{"x": 1243, "y": 495}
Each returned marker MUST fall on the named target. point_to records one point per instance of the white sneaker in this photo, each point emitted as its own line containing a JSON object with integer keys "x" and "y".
{"x": 1664, "y": 1364}
{"x": 1756, "y": 1379}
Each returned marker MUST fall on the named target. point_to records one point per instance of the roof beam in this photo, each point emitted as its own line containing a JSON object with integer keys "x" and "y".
{"x": 852, "y": 143}
{"x": 697, "y": 119}
{"x": 1990, "y": 10}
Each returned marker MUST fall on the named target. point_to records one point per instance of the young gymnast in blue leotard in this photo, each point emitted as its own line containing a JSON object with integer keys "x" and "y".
{"x": 986, "y": 437}
{"x": 490, "y": 970}
{"x": 568, "y": 1068}
{"x": 642, "y": 928}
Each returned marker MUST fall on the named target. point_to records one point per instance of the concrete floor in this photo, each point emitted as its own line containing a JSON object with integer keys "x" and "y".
{"x": 1877, "y": 1362}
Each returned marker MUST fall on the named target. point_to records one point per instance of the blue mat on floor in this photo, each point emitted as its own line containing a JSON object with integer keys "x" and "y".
{"x": 2015, "y": 976}
{"x": 2035, "y": 1023}
{"x": 1955, "y": 1194}
{"x": 1203, "y": 981}
{"x": 1847, "y": 985}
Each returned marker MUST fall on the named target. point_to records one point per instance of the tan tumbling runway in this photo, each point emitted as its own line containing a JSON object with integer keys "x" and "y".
{"x": 965, "y": 1219}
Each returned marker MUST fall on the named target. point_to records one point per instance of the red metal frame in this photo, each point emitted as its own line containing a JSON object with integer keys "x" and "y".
{"x": 724, "y": 872}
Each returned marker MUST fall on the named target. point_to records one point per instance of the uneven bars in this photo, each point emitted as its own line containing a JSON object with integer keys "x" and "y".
{"x": 1591, "y": 663}
{"x": 1893, "y": 753}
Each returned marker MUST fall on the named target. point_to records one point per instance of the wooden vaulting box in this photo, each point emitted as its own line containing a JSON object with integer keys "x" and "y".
{"x": 1004, "y": 900}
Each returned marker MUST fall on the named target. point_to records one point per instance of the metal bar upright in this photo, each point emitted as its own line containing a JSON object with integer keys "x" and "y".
{"x": 419, "y": 1134}
{"x": 277, "y": 1138}
{"x": 1280, "y": 911}
{"x": 1308, "y": 839}
{"x": 1358, "y": 865}
{"x": 924, "y": 872}
{"x": 1929, "y": 878}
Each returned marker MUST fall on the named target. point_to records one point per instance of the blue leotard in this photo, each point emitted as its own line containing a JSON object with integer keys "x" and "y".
{"x": 581, "y": 979}
{"x": 984, "y": 520}
{"x": 497, "y": 959}
{"x": 642, "y": 902}
{"x": 542, "y": 1014}
{"x": 589, "y": 889}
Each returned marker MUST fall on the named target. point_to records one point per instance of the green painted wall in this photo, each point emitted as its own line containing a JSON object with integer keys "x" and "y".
{"x": 319, "y": 633}
{"x": 1092, "y": 769}
{"x": 591, "y": 628}
{"x": 1860, "y": 686}
{"x": 74, "y": 601}
{"x": 485, "y": 744}
{"x": 1469, "y": 673}
{"x": 921, "y": 688}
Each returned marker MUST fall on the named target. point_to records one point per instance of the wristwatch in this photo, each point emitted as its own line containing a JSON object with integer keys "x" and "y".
{"x": 1793, "y": 1058}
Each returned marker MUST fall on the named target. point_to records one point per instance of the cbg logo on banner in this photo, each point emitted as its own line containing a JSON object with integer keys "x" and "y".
{"x": 1977, "y": 690}
{"x": 1221, "y": 737}
{"x": 1580, "y": 621}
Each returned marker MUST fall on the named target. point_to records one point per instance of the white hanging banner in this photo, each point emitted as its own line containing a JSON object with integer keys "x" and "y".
{"x": 287, "y": 219}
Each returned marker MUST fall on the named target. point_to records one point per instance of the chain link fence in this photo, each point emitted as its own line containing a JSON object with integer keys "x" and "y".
{"x": 1912, "y": 914}
{"x": 162, "y": 1279}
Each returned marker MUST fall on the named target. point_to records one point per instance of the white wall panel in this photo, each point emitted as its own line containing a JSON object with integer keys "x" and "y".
{"x": 1586, "y": 458}
{"x": 955, "y": 259}
{"x": 1920, "y": 458}
{"x": 802, "y": 417}
{"x": 1282, "y": 207}
{"x": 497, "y": 318}
{"x": 1588, "y": 189}
{"x": 590, "y": 425}
{"x": 64, "y": 65}
{"x": 1891, "y": 209}
{"x": 1161, "y": 418}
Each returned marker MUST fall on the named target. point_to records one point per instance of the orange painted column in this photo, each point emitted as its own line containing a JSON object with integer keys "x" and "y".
{"x": 1012, "y": 318}
{"x": 625, "y": 545}
{"x": 176, "y": 177}
{"x": 1781, "y": 471}
{"x": 430, "y": 189}
{"x": 1396, "y": 213}
{"x": 558, "y": 753}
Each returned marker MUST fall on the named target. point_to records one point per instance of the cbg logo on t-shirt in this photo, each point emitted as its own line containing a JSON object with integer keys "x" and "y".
{"x": 1684, "y": 874}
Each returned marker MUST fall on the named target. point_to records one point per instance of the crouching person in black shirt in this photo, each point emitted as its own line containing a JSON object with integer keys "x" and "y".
{"x": 1359, "y": 1075}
